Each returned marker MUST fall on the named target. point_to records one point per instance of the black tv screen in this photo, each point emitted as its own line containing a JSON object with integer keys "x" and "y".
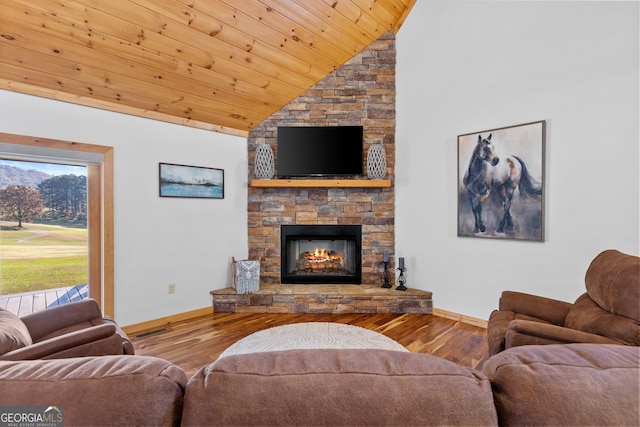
{"x": 319, "y": 151}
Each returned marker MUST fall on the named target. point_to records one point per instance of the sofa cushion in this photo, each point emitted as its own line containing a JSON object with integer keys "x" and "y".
{"x": 13, "y": 332}
{"x": 99, "y": 391}
{"x": 566, "y": 384}
{"x": 337, "y": 387}
{"x": 613, "y": 282}
{"x": 587, "y": 316}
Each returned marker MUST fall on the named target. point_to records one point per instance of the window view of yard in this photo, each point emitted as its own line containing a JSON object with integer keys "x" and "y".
{"x": 43, "y": 234}
{"x": 40, "y": 256}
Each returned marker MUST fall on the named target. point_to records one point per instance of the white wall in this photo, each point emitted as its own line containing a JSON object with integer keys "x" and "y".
{"x": 158, "y": 241}
{"x": 470, "y": 66}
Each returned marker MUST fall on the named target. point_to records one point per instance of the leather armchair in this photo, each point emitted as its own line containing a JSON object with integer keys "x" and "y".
{"x": 69, "y": 330}
{"x": 608, "y": 313}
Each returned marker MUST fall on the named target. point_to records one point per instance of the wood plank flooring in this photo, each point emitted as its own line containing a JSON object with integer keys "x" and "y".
{"x": 194, "y": 343}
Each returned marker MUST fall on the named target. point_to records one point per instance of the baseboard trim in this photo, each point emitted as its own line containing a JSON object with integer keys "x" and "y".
{"x": 163, "y": 321}
{"x": 132, "y": 330}
{"x": 473, "y": 321}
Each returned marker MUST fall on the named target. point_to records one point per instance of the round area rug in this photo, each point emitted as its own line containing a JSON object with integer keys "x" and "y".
{"x": 312, "y": 335}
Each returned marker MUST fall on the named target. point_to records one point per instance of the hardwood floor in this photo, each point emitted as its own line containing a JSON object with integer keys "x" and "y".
{"x": 194, "y": 343}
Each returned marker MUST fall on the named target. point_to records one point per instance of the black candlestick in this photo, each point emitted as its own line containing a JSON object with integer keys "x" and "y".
{"x": 385, "y": 276}
{"x": 401, "y": 280}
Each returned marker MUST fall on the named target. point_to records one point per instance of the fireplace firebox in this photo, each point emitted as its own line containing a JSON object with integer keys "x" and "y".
{"x": 321, "y": 254}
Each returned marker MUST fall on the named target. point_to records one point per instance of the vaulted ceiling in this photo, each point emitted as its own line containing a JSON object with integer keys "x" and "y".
{"x": 221, "y": 65}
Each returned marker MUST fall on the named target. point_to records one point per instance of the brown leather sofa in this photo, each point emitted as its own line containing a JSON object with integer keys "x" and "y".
{"x": 70, "y": 330}
{"x": 566, "y": 385}
{"x": 607, "y": 313}
{"x": 573, "y": 384}
{"x": 337, "y": 388}
{"x": 97, "y": 390}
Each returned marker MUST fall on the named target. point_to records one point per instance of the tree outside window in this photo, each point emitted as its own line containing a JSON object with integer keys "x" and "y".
{"x": 20, "y": 203}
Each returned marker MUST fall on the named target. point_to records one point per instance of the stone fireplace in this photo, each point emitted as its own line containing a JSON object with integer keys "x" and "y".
{"x": 359, "y": 93}
{"x": 327, "y": 254}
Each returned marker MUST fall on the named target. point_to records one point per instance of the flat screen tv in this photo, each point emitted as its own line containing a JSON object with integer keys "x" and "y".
{"x": 319, "y": 151}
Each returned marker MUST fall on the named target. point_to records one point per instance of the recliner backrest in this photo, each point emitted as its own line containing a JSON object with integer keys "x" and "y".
{"x": 613, "y": 282}
{"x": 611, "y": 305}
{"x": 587, "y": 316}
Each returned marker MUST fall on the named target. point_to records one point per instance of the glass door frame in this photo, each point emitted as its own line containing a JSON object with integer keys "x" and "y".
{"x": 100, "y": 216}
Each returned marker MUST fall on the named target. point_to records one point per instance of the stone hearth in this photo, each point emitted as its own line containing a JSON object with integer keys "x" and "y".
{"x": 371, "y": 299}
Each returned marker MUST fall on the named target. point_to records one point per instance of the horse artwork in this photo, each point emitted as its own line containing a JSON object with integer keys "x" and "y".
{"x": 500, "y": 196}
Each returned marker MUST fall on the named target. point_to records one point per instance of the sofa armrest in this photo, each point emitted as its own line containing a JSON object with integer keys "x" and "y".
{"x": 42, "y": 323}
{"x": 66, "y": 345}
{"x": 547, "y": 309}
{"x": 527, "y": 332}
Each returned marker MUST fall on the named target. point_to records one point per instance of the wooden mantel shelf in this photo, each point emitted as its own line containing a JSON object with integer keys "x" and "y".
{"x": 346, "y": 183}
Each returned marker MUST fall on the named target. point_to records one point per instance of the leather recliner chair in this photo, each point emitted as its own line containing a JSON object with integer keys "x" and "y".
{"x": 69, "y": 330}
{"x": 608, "y": 313}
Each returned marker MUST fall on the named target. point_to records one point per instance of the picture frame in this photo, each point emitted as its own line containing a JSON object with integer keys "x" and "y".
{"x": 191, "y": 181}
{"x": 501, "y": 183}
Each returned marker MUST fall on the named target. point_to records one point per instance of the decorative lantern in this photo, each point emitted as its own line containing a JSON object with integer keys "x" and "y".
{"x": 376, "y": 161}
{"x": 246, "y": 275}
{"x": 264, "y": 162}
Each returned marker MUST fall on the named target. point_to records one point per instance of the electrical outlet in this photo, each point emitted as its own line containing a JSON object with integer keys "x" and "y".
{"x": 172, "y": 288}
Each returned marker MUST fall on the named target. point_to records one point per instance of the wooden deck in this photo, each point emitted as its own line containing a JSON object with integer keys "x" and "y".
{"x": 29, "y": 302}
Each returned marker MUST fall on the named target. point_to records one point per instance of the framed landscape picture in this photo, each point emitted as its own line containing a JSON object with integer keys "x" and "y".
{"x": 501, "y": 183}
{"x": 191, "y": 181}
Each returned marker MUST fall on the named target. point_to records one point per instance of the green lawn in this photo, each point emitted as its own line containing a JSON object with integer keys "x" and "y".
{"x": 41, "y": 257}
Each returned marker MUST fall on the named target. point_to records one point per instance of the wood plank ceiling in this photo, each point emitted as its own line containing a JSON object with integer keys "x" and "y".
{"x": 221, "y": 65}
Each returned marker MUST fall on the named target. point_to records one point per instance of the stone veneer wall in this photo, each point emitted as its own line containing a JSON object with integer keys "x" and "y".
{"x": 361, "y": 92}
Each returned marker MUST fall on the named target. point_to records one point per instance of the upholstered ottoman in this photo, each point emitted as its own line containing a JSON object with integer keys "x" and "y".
{"x": 312, "y": 335}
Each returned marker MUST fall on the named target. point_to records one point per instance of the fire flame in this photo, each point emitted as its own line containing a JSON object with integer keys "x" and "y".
{"x": 320, "y": 256}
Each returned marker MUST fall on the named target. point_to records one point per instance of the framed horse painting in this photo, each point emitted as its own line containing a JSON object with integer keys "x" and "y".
{"x": 501, "y": 183}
